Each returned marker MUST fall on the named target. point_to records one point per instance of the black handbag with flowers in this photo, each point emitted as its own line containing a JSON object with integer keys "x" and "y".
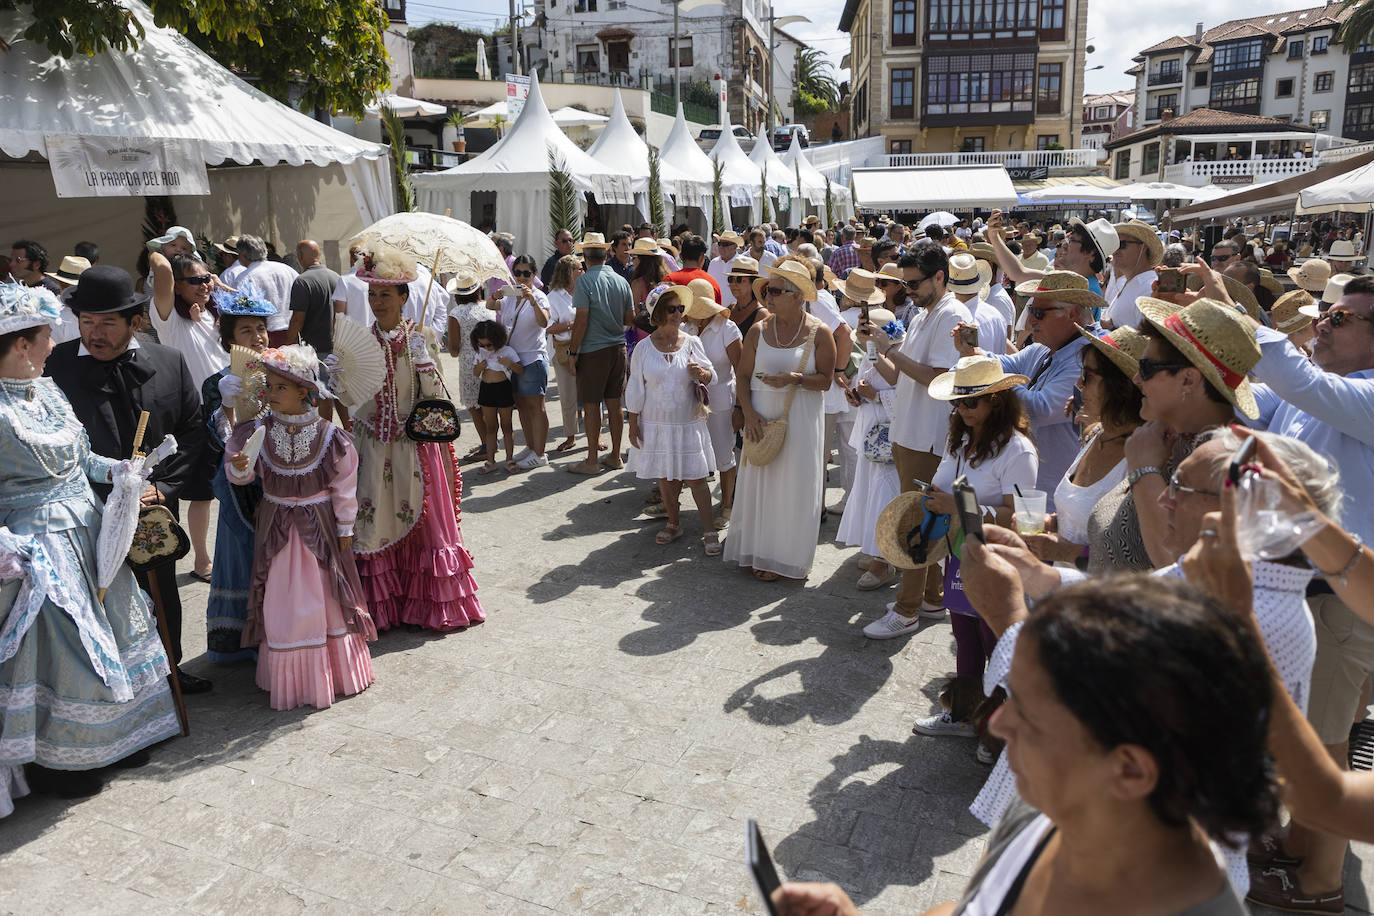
{"x": 433, "y": 419}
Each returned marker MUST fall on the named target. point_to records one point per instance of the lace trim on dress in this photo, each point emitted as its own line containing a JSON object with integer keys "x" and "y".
{"x": 291, "y": 449}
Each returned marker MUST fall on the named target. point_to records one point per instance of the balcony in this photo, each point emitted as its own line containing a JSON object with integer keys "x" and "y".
{"x": 1052, "y": 159}
{"x": 1165, "y": 78}
{"x": 1197, "y": 174}
{"x": 1154, "y": 114}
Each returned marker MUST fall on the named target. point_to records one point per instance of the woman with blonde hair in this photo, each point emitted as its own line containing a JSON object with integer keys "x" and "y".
{"x": 559, "y": 331}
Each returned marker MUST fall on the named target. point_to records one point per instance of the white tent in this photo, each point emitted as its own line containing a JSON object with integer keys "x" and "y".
{"x": 404, "y": 107}
{"x": 1352, "y": 192}
{"x": 516, "y": 169}
{"x": 959, "y": 188}
{"x": 812, "y": 181}
{"x": 621, "y": 148}
{"x": 1164, "y": 190}
{"x": 298, "y": 178}
{"x": 779, "y": 175}
{"x": 682, "y": 153}
{"x": 1074, "y": 192}
{"x": 567, "y": 116}
{"x": 740, "y": 178}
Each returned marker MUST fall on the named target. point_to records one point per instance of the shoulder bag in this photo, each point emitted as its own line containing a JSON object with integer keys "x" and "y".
{"x": 769, "y": 445}
{"x": 433, "y": 419}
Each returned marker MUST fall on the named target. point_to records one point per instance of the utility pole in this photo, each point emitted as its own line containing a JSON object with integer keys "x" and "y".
{"x": 677, "y": 57}
{"x": 514, "y": 39}
{"x": 773, "y": 22}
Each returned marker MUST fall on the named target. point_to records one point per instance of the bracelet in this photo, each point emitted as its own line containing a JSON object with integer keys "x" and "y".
{"x": 801, "y": 378}
{"x": 1342, "y": 576}
{"x": 1138, "y": 474}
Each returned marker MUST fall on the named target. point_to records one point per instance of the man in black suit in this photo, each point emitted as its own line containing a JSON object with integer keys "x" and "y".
{"x": 110, "y": 378}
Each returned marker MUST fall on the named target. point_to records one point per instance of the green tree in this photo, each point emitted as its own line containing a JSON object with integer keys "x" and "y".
{"x": 815, "y": 78}
{"x": 327, "y": 54}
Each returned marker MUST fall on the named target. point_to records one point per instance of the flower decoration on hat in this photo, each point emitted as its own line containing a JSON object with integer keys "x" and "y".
{"x": 297, "y": 362}
{"x": 387, "y": 265}
{"x": 246, "y": 300}
{"x": 24, "y": 307}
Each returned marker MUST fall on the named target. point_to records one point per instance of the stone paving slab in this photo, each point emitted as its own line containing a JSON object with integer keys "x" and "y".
{"x": 594, "y": 748}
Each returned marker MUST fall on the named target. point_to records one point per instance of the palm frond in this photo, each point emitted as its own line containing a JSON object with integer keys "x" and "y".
{"x": 717, "y": 203}
{"x": 655, "y": 194}
{"x": 396, "y": 137}
{"x": 829, "y": 204}
{"x": 763, "y": 197}
{"x": 1359, "y": 26}
{"x": 562, "y": 197}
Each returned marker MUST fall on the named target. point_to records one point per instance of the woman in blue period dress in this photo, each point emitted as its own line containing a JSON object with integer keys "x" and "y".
{"x": 242, "y": 321}
{"x": 778, "y": 506}
{"x": 83, "y": 682}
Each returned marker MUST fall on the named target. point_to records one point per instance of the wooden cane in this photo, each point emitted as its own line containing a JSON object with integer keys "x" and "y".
{"x": 155, "y": 593}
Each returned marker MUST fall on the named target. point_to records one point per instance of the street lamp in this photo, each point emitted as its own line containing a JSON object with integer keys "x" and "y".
{"x": 773, "y": 22}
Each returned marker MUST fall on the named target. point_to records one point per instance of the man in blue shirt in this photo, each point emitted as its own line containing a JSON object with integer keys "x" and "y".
{"x": 603, "y": 308}
{"x": 1084, "y": 251}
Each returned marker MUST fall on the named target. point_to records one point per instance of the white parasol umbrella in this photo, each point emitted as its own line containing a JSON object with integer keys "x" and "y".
{"x": 403, "y": 107}
{"x": 441, "y": 243}
{"x": 568, "y": 116}
{"x": 483, "y": 67}
{"x": 941, "y": 218}
{"x": 121, "y": 508}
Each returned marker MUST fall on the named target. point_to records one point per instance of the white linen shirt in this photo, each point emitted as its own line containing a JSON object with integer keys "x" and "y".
{"x": 920, "y": 422}
{"x": 1121, "y": 295}
{"x": 718, "y": 269}
{"x": 273, "y": 280}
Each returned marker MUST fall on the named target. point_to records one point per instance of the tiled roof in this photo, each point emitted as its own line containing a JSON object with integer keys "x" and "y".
{"x": 1208, "y": 121}
{"x": 1121, "y": 97}
{"x": 1273, "y": 24}
{"x": 1175, "y": 43}
{"x": 1138, "y": 68}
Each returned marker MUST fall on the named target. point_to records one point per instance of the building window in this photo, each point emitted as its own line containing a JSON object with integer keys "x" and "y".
{"x": 1319, "y": 43}
{"x": 1359, "y": 122}
{"x": 1047, "y": 88}
{"x": 1150, "y": 159}
{"x": 1321, "y": 119}
{"x": 903, "y": 89}
{"x": 588, "y": 58}
{"x": 1324, "y": 81}
{"x": 686, "y": 51}
{"x": 982, "y": 20}
{"x": 1235, "y": 93}
{"x": 861, "y": 104}
{"x": 903, "y": 22}
{"x": 1295, "y": 49}
{"x": 1238, "y": 55}
{"x": 972, "y": 145}
{"x": 584, "y": 6}
{"x": 1052, "y": 19}
{"x": 1123, "y": 165}
{"x": 1283, "y": 89}
{"x": 1045, "y": 141}
{"x": 979, "y": 83}
{"x": 899, "y": 147}
{"x": 1361, "y": 79}
{"x": 1161, "y": 104}
{"x": 1200, "y": 79}
{"x": 1100, "y": 114}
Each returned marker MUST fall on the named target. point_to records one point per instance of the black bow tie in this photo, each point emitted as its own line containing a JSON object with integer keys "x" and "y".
{"x": 117, "y": 376}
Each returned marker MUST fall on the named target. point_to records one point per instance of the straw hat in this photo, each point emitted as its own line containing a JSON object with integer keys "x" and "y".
{"x": 1311, "y": 275}
{"x": 646, "y": 247}
{"x": 1335, "y": 288}
{"x": 882, "y": 318}
{"x": 1123, "y": 346}
{"x": 1270, "y": 282}
{"x": 1030, "y": 243}
{"x": 793, "y": 272}
{"x": 668, "y": 246}
{"x": 685, "y": 295}
{"x": 228, "y": 246}
{"x": 1293, "y": 311}
{"x": 703, "y": 303}
{"x": 832, "y": 282}
{"x": 897, "y": 521}
{"x": 983, "y": 251}
{"x": 971, "y": 377}
{"x": 812, "y": 220}
{"x": 968, "y": 275}
{"x": 1063, "y": 286}
{"x": 592, "y": 240}
{"x": 867, "y": 241}
{"x": 1341, "y": 250}
{"x": 1215, "y": 339}
{"x": 1244, "y": 297}
{"x": 860, "y": 286}
{"x": 69, "y": 271}
{"x": 1137, "y": 231}
{"x": 743, "y": 266}
{"x": 462, "y": 284}
{"x": 1103, "y": 235}
{"x": 729, "y": 237}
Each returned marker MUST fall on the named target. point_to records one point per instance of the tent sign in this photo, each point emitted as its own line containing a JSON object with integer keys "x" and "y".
{"x": 517, "y": 90}
{"x": 125, "y": 166}
{"x": 784, "y": 197}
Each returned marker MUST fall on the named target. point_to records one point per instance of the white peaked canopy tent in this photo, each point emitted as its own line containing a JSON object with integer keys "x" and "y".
{"x": 740, "y": 178}
{"x": 1352, "y": 192}
{"x": 693, "y": 193}
{"x": 516, "y": 170}
{"x": 283, "y": 175}
{"x": 813, "y": 186}
{"x": 621, "y": 148}
{"x": 403, "y": 107}
{"x": 778, "y": 174}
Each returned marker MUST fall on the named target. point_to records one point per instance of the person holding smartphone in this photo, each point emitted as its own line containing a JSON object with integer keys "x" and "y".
{"x": 524, "y": 313}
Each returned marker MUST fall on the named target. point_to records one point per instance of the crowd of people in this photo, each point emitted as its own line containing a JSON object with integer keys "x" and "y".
{"x": 1089, "y": 381}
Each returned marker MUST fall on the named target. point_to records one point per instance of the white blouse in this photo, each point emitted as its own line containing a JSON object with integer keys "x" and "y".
{"x": 1073, "y": 504}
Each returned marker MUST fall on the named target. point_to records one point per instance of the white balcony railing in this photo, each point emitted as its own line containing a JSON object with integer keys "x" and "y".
{"x": 1342, "y": 153}
{"x": 1197, "y": 174}
{"x": 1049, "y": 158}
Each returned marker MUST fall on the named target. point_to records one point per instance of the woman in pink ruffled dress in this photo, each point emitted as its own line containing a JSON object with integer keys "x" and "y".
{"x": 410, "y": 552}
{"x": 306, "y": 614}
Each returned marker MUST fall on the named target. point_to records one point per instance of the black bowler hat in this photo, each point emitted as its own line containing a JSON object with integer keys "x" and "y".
{"x": 103, "y": 289}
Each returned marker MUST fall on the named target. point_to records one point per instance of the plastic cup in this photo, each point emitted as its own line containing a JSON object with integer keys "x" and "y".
{"x": 1029, "y": 508}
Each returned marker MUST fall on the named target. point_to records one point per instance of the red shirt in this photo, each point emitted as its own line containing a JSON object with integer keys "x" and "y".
{"x": 683, "y": 277}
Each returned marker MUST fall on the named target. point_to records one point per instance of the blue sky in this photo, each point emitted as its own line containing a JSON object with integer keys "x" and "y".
{"x": 1116, "y": 29}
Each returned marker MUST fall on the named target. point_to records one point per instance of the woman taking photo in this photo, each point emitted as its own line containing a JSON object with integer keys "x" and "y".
{"x": 561, "y": 315}
{"x": 468, "y": 310}
{"x": 184, "y": 320}
{"x": 525, "y": 315}
{"x": 411, "y": 560}
{"x": 788, "y": 366}
{"x": 710, "y": 322}
{"x": 669, "y": 438}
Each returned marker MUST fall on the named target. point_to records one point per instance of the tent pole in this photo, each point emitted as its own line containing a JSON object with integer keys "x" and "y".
{"x": 677, "y": 44}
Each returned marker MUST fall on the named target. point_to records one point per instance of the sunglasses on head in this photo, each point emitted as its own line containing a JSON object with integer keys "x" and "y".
{"x": 523, "y": 273}
{"x": 204, "y": 279}
{"x": 1149, "y": 368}
{"x": 1338, "y": 317}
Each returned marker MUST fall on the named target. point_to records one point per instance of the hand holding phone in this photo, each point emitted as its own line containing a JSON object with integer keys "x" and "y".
{"x": 970, "y": 515}
{"x": 1171, "y": 280}
{"x": 1242, "y": 456}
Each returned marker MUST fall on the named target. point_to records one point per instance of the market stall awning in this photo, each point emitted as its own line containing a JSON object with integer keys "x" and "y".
{"x": 1352, "y": 192}
{"x": 962, "y": 188}
{"x": 1058, "y": 181}
{"x": 1275, "y": 197}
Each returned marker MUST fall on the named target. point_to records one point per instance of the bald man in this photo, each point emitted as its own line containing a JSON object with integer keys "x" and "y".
{"x": 312, "y": 306}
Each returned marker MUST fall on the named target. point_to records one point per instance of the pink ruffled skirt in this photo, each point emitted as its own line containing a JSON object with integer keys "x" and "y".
{"x": 425, "y": 579}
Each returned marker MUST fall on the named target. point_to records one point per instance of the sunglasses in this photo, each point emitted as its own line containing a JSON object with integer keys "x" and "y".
{"x": 1338, "y": 317}
{"x": 914, "y": 285}
{"x": 1221, "y": 258}
{"x": 732, "y": 278}
{"x": 775, "y": 291}
{"x": 1149, "y": 368}
{"x": 670, "y": 309}
{"x": 205, "y": 279}
{"x": 967, "y": 403}
{"x": 1176, "y": 488}
{"x": 1090, "y": 373}
{"x": 1039, "y": 312}
{"x": 524, "y": 273}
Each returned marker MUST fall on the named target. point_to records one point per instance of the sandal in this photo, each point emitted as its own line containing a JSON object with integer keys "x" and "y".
{"x": 487, "y": 468}
{"x": 669, "y": 534}
{"x": 711, "y": 544}
{"x": 478, "y": 452}
{"x": 654, "y": 497}
{"x": 201, "y": 576}
{"x": 764, "y": 575}
{"x": 512, "y": 467}
{"x": 565, "y": 445}
{"x": 657, "y": 510}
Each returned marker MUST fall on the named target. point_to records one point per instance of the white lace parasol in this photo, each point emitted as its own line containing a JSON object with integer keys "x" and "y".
{"x": 457, "y": 246}
{"x": 120, "y": 519}
{"x": 357, "y": 368}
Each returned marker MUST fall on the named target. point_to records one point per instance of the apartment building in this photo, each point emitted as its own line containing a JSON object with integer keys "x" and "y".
{"x": 1287, "y": 65}
{"x": 961, "y": 76}
{"x": 1107, "y": 115}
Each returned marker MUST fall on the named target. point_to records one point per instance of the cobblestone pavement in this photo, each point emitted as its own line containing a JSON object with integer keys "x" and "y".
{"x": 595, "y": 747}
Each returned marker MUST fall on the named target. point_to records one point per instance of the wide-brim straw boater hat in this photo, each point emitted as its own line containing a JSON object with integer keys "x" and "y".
{"x": 983, "y": 251}
{"x": 1311, "y": 275}
{"x": 743, "y": 266}
{"x": 1244, "y": 296}
{"x": 1215, "y": 339}
{"x": 1341, "y": 250}
{"x": 1293, "y": 311}
{"x": 1270, "y": 282}
{"x": 730, "y": 237}
{"x": 794, "y": 272}
{"x": 1062, "y": 286}
{"x": 1137, "y": 231}
{"x": 385, "y": 265}
{"x": 860, "y": 286}
{"x": 668, "y": 246}
{"x": 968, "y": 275}
{"x": 973, "y": 377}
{"x": 900, "y": 519}
{"x": 69, "y": 271}
{"x": 646, "y": 248}
{"x": 462, "y": 284}
{"x": 592, "y": 240}
{"x": 1123, "y": 346}
{"x": 1030, "y": 244}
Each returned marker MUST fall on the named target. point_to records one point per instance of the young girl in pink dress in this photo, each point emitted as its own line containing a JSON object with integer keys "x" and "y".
{"x": 306, "y": 613}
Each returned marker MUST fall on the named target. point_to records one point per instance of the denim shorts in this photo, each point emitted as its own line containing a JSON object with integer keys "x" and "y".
{"x": 534, "y": 381}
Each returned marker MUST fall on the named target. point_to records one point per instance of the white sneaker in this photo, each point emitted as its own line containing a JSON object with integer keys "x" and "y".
{"x": 532, "y": 461}
{"x": 891, "y": 625}
{"x": 927, "y": 611}
{"x": 523, "y": 454}
{"x": 944, "y": 726}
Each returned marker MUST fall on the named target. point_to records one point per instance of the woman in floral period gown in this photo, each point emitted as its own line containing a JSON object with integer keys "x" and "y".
{"x": 83, "y": 681}
{"x": 411, "y": 559}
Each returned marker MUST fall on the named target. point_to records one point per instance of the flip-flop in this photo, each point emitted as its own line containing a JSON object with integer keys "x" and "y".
{"x": 202, "y": 577}
{"x": 580, "y": 468}
{"x": 478, "y": 452}
{"x": 711, "y": 544}
{"x": 669, "y": 534}
{"x": 564, "y": 446}
{"x": 487, "y": 468}
{"x": 764, "y": 575}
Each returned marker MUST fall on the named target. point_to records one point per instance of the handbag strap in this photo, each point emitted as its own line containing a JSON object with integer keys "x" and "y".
{"x": 801, "y": 367}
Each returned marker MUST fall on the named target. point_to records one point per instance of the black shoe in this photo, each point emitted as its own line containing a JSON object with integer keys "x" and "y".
{"x": 62, "y": 783}
{"x": 192, "y": 684}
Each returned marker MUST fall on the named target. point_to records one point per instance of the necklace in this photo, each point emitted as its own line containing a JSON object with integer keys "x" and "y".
{"x": 1103, "y": 440}
{"x": 801, "y": 325}
{"x": 388, "y": 399}
{"x": 63, "y": 443}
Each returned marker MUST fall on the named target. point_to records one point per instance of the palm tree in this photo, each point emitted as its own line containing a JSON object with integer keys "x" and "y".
{"x": 815, "y": 75}
{"x": 1359, "y": 26}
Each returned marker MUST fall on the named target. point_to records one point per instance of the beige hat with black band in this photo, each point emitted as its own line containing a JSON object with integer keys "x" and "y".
{"x": 1216, "y": 339}
{"x": 1064, "y": 286}
{"x": 1137, "y": 231}
{"x": 973, "y": 377}
{"x": 860, "y": 286}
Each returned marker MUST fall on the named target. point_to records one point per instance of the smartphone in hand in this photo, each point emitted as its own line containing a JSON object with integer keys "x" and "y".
{"x": 970, "y": 516}
{"x": 760, "y": 865}
{"x": 1242, "y": 456}
{"x": 968, "y": 334}
{"x": 1172, "y": 280}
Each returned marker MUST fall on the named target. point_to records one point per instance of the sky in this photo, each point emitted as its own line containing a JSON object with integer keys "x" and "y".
{"x": 1117, "y": 29}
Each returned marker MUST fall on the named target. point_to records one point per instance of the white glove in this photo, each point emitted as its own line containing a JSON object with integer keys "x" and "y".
{"x": 230, "y": 386}
{"x": 127, "y": 466}
{"x": 419, "y": 352}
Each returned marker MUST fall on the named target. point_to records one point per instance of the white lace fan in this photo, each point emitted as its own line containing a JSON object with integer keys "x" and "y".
{"x": 357, "y": 369}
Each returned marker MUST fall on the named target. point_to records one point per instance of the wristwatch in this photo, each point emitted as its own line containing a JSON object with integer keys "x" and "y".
{"x": 1139, "y": 474}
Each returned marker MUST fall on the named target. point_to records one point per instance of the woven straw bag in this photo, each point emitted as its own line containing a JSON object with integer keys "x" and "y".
{"x": 769, "y": 445}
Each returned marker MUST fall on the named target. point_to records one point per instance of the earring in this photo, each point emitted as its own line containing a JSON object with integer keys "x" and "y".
{"x": 28, "y": 364}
